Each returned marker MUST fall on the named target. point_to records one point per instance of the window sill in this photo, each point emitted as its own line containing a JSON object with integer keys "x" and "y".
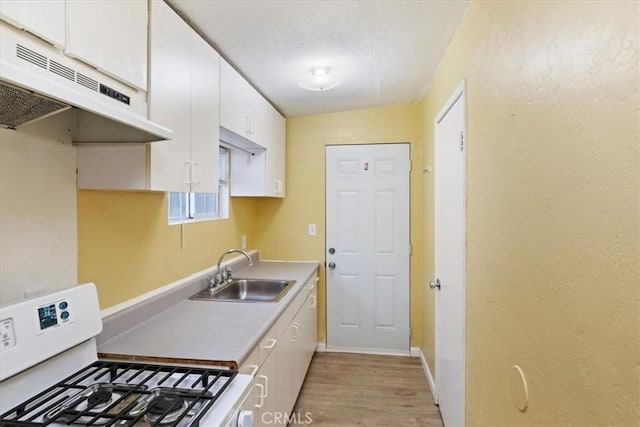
{"x": 189, "y": 221}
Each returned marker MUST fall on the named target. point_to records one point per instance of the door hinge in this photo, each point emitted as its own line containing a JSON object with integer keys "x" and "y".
{"x": 410, "y": 166}
{"x": 410, "y": 249}
{"x": 410, "y": 333}
{"x": 461, "y": 141}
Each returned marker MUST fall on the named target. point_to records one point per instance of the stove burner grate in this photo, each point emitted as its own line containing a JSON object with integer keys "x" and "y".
{"x": 121, "y": 393}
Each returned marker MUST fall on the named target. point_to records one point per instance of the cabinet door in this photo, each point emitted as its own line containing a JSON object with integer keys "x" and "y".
{"x": 300, "y": 359}
{"x": 267, "y": 392}
{"x": 275, "y": 142}
{"x": 286, "y": 354}
{"x": 170, "y": 98}
{"x": 239, "y": 103}
{"x": 44, "y": 18}
{"x": 111, "y": 36}
{"x": 205, "y": 116}
{"x": 311, "y": 326}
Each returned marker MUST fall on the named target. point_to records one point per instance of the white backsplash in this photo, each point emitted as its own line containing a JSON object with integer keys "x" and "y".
{"x": 38, "y": 210}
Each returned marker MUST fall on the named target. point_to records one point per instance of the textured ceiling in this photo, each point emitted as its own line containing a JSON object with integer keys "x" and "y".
{"x": 386, "y": 51}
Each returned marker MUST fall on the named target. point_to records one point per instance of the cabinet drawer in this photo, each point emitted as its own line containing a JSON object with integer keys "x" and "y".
{"x": 252, "y": 364}
{"x": 294, "y": 307}
{"x": 268, "y": 343}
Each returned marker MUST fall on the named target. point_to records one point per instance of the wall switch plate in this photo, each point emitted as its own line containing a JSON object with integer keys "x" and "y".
{"x": 244, "y": 241}
{"x": 312, "y": 229}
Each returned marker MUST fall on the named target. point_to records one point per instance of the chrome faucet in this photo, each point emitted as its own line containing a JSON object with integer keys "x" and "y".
{"x": 225, "y": 276}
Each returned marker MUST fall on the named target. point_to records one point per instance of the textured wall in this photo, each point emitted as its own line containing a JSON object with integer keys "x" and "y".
{"x": 127, "y": 248}
{"x": 282, "y": 224}
{"x": 553, "y": 209}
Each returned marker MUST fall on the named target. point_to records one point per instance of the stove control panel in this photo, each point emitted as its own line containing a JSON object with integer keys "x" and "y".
{"x": 53, "y": 314}
{"x": 33, "y": 330}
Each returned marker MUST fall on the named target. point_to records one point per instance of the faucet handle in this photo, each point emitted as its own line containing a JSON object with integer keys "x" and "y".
{"x": 226, "y": 274}
{"x": 211, "y": 281}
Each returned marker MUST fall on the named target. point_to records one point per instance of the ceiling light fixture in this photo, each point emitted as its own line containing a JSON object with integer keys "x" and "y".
{"x": 320, "y": 79}
{"x": 320, "y": 71}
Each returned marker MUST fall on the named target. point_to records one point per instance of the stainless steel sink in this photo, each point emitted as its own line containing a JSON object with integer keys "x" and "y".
{"x": 247, "y": 290}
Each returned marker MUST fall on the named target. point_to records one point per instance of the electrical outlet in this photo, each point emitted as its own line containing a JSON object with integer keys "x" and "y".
{"x": 312, "y": 229}
{"x": 244, "y": 242}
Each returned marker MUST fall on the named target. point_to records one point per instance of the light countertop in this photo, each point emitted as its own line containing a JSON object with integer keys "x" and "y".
{"x": 210, "y": 331}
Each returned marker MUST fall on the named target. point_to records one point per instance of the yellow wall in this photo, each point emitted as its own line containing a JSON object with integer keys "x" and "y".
{"x": 553, "y": 277}
{"x": 282, "y": 224}
{"x": 127, "y": 248}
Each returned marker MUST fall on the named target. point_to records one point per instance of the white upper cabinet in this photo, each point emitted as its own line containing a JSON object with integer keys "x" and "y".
{"x": 205, "y": 113}
{"x": 184, "y": 96}
{"x": 170, "y": 97}
{"x": 249, "y": 119}
{"x": 44, "y": 18}
{"x": 111, "y": 36}
{"x": 275, "y": 130}
{"x": 240, "y": 104}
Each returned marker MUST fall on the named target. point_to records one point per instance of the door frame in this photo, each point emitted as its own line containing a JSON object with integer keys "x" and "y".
{"x": 460, "y": 93}
{"x": 327, "y": 347}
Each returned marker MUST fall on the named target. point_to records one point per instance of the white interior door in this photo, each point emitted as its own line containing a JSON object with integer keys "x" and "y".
{"x": 450, "y": 245}
{"x": 367, "y": 214}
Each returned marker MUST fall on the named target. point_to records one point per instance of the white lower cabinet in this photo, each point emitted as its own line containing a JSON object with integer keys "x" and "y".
{"x": 280, "y": 362}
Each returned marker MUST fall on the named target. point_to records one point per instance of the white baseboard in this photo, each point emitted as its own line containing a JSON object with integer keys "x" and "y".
{"x": 427, "y": 373}
{"x": 321, "y": 347}
{"x": 414, "y": 352}
{"x": 359, "y": 350}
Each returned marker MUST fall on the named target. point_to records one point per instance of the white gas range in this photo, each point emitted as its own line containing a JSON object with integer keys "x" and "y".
{"x": 50, "y": 374}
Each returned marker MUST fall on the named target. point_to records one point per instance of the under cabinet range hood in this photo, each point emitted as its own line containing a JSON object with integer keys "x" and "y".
{"x": 37, "y": 80}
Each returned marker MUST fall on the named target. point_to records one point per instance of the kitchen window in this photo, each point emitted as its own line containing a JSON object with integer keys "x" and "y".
{"x": 190, "y": 207}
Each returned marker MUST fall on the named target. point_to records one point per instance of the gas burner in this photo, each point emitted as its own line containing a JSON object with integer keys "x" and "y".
{"x": 94, "y": 400}
{"x": 99, "y": 399}
{"x": 166, "y": 408}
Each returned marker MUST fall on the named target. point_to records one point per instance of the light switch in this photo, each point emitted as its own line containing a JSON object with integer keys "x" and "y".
{"x": 312, "y": 229}
{"x": 244, "y": 241}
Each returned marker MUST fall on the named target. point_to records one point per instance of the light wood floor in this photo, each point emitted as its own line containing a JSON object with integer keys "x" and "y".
{"x": 343, "y": 389}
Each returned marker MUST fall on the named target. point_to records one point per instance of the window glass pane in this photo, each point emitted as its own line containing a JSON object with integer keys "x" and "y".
{"x": 177, "y": 207}
{"x": 205, "y": 205}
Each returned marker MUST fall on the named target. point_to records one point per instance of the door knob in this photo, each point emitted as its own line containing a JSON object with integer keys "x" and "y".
{"x": 332, "y": 265}
{"x": 434, "y": 285}
{"x": 332, "y": 251}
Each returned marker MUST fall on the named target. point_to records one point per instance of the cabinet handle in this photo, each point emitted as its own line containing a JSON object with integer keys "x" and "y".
{"x": 295, "y": 327}
{"x": 312, "y": 282}
{"x": 315, "y": 300}
{"x": 196, "y": 166}
{"x": 270, "y": 346}
{"x": 254, "y": 370}
{"x": 278, "y": 186}
{"x": 266, "y": 386}
{"x": 189, "y": 165}
{"x": 261, "y": 396}
{"x": 247, "y": 125}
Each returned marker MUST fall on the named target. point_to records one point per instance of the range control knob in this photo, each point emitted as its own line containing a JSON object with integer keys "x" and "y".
{"x": 64, "y": 315}
{"x": 63, "y": 305}
{"x": 245, "y": 418}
